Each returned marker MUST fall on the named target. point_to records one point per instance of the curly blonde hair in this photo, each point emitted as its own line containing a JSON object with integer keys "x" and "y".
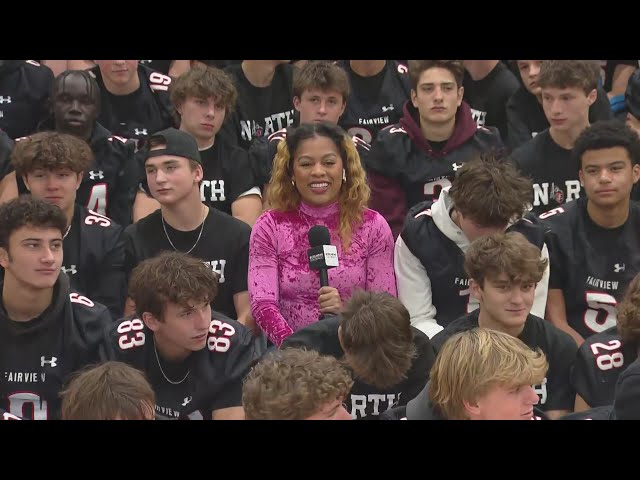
{"x": 354, "y": 193}
{"x": 293, "y": 384}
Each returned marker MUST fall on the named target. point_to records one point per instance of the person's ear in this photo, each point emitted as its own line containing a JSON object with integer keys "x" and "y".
{"x": 151, "y": 321}
{"x": 4, "y": 257}
{"x": 476, "y": 289}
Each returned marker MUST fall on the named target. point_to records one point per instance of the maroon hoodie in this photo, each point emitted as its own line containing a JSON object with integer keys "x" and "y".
{"x": 403, "y": 169}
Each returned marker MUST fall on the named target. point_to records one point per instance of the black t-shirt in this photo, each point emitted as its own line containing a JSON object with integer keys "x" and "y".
{"x": 552, "y": 170}
{"x": 212, "y": 376}
{"x": 260, "y": 111}
{"x": 37, "y": 357}
{"x": 25, "y": 87}
{"x": 590, "y": 264}
{"x": 94, "y": 259}
{"x": 488, "y": 97}
{"x": 375, "y": 102}
{"x": 365, "y": 400}
{"x": 526, "y": 118}
{"x": 556, "y": 392}
{"x": 223, "y": 246}
{"x": 141, "y": 113}
{"x": 600, "y": 361}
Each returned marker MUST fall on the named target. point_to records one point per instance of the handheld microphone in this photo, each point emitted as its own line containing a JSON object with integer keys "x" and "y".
{"x": 322, "y": 255}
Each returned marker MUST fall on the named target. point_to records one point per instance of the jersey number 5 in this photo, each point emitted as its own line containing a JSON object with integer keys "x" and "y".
{"x": 602, "y": 313}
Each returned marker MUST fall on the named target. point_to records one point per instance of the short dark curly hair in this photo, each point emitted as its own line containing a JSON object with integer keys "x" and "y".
{"x": 51, "y": 151}
{"x": 28, "y": 211}
{"x": 171, "y": 277}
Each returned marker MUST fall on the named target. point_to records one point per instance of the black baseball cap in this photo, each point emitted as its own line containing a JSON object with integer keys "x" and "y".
{"x": 632, "y": 94}
{"x": 626, "y": 401}
{"x": 178, "y": 144}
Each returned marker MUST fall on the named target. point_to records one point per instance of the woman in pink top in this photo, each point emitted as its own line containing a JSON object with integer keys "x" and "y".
{"x": 317, "y": 179}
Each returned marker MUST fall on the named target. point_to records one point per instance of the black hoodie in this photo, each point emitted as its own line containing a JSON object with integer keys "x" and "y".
{"x": 37, "y": 357}
{"x": 404, "y": 169}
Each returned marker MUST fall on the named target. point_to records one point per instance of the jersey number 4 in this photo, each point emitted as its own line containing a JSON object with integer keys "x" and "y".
{"x": 608, "y": 361}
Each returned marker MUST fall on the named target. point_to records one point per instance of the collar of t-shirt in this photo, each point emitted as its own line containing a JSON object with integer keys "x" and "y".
{"x": 368, "y": 87}
{"x": 525, "y": 335}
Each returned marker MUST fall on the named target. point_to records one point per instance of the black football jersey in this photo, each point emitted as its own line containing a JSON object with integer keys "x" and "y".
{"x": 227, "y": 174}
{"x": 600, "y": 361}
{"x": 263, "y": 151}
{"x": 422, "y": 176}
{"x": 590, "y": 264}
{"x": 260, "y": 111}
{"x": 552, "y": 170}
{"x": 375, "y": 102}
{"x": 556, "y": 391}
{"x": 212, "y": 376}
{"x": 109, "y": 186}
{"x": 94, "y": 259}
{"x": 25, "y": 87}
{"x": 366, "y": 401}
{"x": 37, "y": 357}
{"x": 488, "y": 97}
{"x": 444, "y": 260}
{"x": 223, "y": 246}
{"x": 6, "y": 147}
{"x": 161, "y": 66}
{"x": 141, "y": 113}
{"x": 526, "y": 118}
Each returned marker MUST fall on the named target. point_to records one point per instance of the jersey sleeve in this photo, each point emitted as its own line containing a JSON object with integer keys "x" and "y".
{"x": 562, "y": 395}
{"x": 419, "y": 373}
{"x": 90, "y": 321}
{"x": 123, "y": 341}
{"x": 110, "y": 286}
{"x": 128, "y": 180}
{"x": 233, "y": 352}
{"x": 241, "y": 173}
{"x": 595, "y": 375}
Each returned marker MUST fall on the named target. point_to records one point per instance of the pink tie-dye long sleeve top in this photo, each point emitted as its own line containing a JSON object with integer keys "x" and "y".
{"x": 284, "y": 291}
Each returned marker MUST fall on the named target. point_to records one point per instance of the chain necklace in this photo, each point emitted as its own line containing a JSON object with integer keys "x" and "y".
{"x": 162, "y": 371}
{"x": 67, "y": 232}
{"x": 164, "y": 227}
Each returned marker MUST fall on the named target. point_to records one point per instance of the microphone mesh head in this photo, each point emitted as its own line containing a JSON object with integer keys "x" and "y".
{"x": 319, "y": 235}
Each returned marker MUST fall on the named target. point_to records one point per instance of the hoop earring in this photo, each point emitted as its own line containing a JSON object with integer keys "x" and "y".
{"x": 344, "y": 175}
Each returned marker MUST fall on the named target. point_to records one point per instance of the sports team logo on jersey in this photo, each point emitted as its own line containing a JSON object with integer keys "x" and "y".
{"x": 257, "y": 130}
{"x": 558, "y": 194}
